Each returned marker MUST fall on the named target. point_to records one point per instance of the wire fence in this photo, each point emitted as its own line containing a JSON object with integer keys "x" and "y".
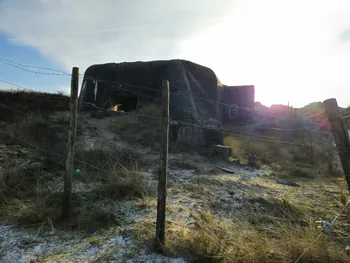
{"x": 247, "y": 133}
{"x": 324, "y": 141}
{"x": 119, "y": 84}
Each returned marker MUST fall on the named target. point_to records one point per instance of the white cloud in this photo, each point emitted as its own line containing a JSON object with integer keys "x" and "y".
{"x": 84, "y": 32}
{"x": 289, "y": 49}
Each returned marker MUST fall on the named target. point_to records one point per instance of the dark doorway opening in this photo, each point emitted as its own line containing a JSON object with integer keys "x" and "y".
{"x": 123, "y": 102}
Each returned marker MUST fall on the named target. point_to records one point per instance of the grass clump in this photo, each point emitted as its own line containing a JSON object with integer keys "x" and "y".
{"x": 265, "y": 152}
{"x": 121, "y": 182}
{"x": 116, "y": 171}
{"x": 36, "y": 131}
{"x": 217, "y": 240}
{"x": 12, "y": 176}
{"x": 94, "y": 162}
{"x": 274, "y": 152}
{"x": 34, "y": 207}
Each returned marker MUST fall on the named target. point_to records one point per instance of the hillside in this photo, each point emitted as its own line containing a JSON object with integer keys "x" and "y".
{"x": 260, "y": 205}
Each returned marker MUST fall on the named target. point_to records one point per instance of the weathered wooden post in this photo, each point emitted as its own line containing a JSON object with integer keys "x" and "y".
{"x": 67, "y": 194}
{"x": 340, "y": 136}
{"x": 163, "y": 170}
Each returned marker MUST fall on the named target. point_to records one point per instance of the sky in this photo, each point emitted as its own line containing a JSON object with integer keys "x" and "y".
{"x": 295, "y": 51}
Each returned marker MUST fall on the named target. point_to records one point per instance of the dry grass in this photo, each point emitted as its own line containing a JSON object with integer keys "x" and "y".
{"x": 278, "y": 232}
{"x": 117, "y": 172}
{"x": 88, "y": 217}
{"x": 12, "y": 176}
{"x": 37, "y": 132}
{"x": 95, "y": 163}
{"x": 23, "y": 196}
{"x": 25, "y": 200}
{"x": 44, "y": 210}
{"x": 141, "y": 129}
{"x": 270, "y": 152}
{"x": 123, "y": 183}
{"x": 265, "y": 152}
{"x": 218, "y": 240}
{"x": 35, "y": 207}
{"x": 25, "y": 101}
{"x": 191, "y": 162}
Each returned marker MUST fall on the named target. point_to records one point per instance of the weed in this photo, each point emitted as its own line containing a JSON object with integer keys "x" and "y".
{"x": 264, "y": 152}
{"x": 94, "y": 240}
{"x": 121, "y": 182}
{"x": 217, "y": 240}
{"x": 29, "y": 209}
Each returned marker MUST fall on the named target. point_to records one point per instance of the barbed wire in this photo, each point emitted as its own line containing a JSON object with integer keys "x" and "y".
{"x": 180, "y": 122}
{"x": 214, "y": 102}
{"x": 114, "y": 83}
{"x": 50, "y": 153}
{"x": 269, "y": 139}
{"x": 23, "y": 67}
{"x": 120, "y": 84}
{"x": 315, "y": 240}
{"x": 56, "y": 96}
{"x": 12, "y": 84}
{"x": 189, "y": 111}
{"x": 104, "y": 171}
{"x": 224, "y": 131}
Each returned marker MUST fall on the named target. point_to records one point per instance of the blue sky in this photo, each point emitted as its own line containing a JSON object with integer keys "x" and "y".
{"x": 24, "y": 54}
{"x": 295, "y": 51}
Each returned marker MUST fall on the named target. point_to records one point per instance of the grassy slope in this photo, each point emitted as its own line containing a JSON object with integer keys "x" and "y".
{"x": 212, "y": 216}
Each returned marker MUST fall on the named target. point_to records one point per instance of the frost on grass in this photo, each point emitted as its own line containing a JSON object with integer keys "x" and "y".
{"x": 18, "y": 246}
{"x": 249, "y": 217}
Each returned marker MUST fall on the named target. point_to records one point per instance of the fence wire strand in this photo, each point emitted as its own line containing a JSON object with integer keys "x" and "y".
{"x": 123, "y": 86}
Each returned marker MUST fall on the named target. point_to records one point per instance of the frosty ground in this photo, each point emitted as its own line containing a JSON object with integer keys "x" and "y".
{"x": 245, "y": 215}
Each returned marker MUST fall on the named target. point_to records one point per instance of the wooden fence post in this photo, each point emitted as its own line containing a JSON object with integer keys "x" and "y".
{"x": 340, "y": 136}
{"x": 163, "y": 170}
{"x": 72, "y": 133}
